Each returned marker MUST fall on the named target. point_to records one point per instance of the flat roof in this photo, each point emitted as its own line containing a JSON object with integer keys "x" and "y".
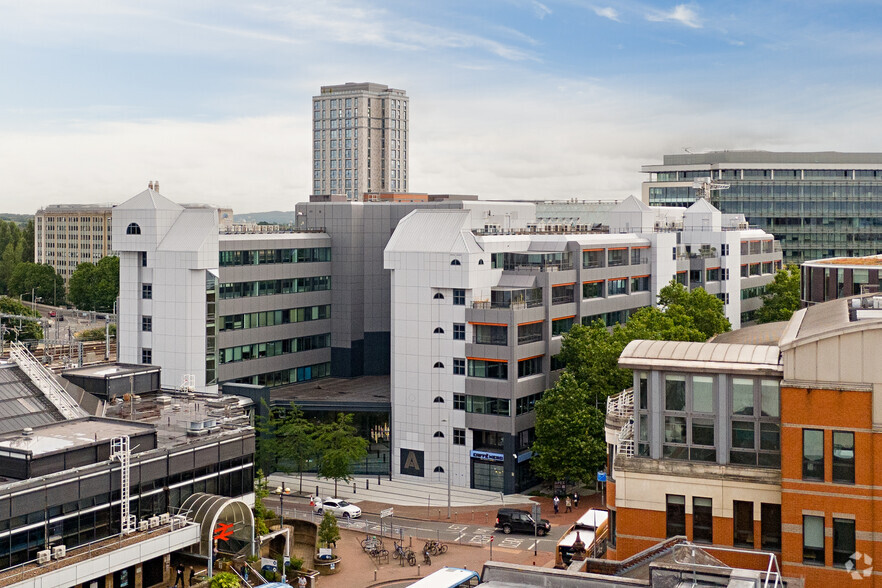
{"x": 772, "y": 157}
{"x": 70, "y": 434}
{"x": 870, "y": 260}
{"x": 112, "y": 370}
{"x": 366, "y": 392}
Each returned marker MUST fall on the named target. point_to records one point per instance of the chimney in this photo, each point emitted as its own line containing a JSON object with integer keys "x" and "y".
{"x": 150, "y": 185}
{"x": 156, "y": 185}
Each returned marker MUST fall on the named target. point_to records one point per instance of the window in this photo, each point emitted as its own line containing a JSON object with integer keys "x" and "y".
{"x": 146, "y": 355}
{"x": 133, "y": 229}
{"x": 459, "y": 366}
{"x": 486, "y": 405}
{"x": 617, "y": 257}
{"x": 640, "y": 284}
{"x": 617, "y": 286}
{"x": 480, "y": 368}
{"x": 458, "y": 297}
{"x": 530, "y": 332}
{"x": 675, "y": 393}
{"x": 438, "y": 435}
{"x": 438, "y": 400}
{"x": 702, "y": 394}
{"x": 843, "y": 541}
{"x": 455, "y": 262}
{"x": 459, "y": 402}
{"x": 438, "y": 330}
{"x": 146, "y": 323}
{"x": 742, "y": 519}
{"x": 637, "y": 256}
{"x": 530, "y": 366}
{"x": 458, "y": 331}
{"x": 438, "y": 364}
{"x": 438, "y": 296}
{"x": 592, "y": 289}
{"x": 813, "y": 540}
{"x": 143, "y": 259}
{"x": 843, "y": 458}
{"x": 592, "y": 258}
{"x": 527, "y": 403}
{"x": 563, "y": 294}
{"x": 675, "y": 515}
{"x": 560, "y": 326}
{"x": 702, "y": 520}
{"x": 813, "y": 454}
{"x": 770, "y": 527}
{"x": 146, "y": 291}
{"x": 459, "y": 437}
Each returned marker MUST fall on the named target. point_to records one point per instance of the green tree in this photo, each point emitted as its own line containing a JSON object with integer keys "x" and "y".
{"x": 18, "y": 328}
{"x": 224, "y": 580}
{"x": 95, "y": 286}
{"x": 782, "y": 298}
{"x": 339, "y": 447}
{"x": 9, "y": 259}
{"x": 27, "y": 243}
{"x": 42, "y": 279}
{"x": 704, "y": 310}
{"x": 570, "y": 441}
{"x": 328, "y": 531}
{"x": 261, "y": 512}
{"x": 288, "y": 440}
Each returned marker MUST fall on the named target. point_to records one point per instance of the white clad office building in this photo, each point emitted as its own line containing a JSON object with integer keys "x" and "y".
{"x": 478, "y": 315}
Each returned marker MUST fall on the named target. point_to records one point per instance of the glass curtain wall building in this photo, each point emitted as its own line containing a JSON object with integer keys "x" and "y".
{"x": 823, "y": 204}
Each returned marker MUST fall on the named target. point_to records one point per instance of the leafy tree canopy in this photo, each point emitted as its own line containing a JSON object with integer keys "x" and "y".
{"x": 287, "y": 440}
{"x": 569, "y": 433}
{"x": 782, "y": 298}
{"x": 224, "y": 580}
{"x": 28, "y": 329}
{"x": 339, "y": 447}
{"x": 328, "y": 531}
{"x": 95, "y": 286}
{"x": 42, "y": 279}
{"x": 705, "y": 311}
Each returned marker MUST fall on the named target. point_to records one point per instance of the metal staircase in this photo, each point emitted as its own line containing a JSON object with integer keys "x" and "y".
{"x": 43, "y": 379}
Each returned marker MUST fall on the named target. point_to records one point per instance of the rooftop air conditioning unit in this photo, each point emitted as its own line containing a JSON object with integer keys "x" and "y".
{"x": 743, "y": 226}
{"x": 59, "y": 551}
{"x": 164, "y": 518}
{"x": 154, "y": 522}
{"x": 44, "y": 556}
{"x": 143, "y": 525}
{"x": 178, "y": 521}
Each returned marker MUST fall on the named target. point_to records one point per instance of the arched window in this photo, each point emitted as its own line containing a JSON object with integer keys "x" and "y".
{"x": 438, "y": 399}
{"x": 133, "y": 229}
{"x": 439, "y": 469}
{"x": 438, "y": 330}
{"x": 438, "y": 296}
{"x": 438, "y": 434}
{"x": 438, "y": 364}
{"x": 455, "y": 262}
{"x": 480, "y": 262}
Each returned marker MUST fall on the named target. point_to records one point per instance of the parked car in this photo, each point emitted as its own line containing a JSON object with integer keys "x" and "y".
{"x": 338, "y": 507}
{"x": 520, "y": 521}
{"x": 52, "y": 313}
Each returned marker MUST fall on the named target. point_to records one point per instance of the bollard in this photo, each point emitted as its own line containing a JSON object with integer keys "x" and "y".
{"x": 375, "y": 572}
{"x": 418, "y": 570}
{"x": 316, "y": 491}
{"x": 353, "y": 487}
{"x": 439, "y": 514}
{"x": 367, "y": 484}
{"x": 378, "y": 480}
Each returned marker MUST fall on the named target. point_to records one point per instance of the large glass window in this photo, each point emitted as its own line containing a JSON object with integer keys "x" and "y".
{"x": 617, "y": 257}
{"x": 485, "y": 405}
{"x": 771, "y": 398}
{"x": 675, "y": 392}
{"x": 742, "y": 519}
{"x": 563, "y": 294}
{"x": 485, "y": 334}
{"x": 530, "y": 332}
{"x": 592, "y": 258}
{"x": 812, "y": 454}
{"x": 592, "y": 289}
{"x": 481, "y": 368}
{"x": 530, "y": 366}
{"x": 702, "y": 394}
{"x": 640, "y": 284}
{"x": 617, "y": 286}
{"x": 702, "y": 520}
{"x": 559, "y": 326}
{"x": 843, "y": 457}
{"x": 675, "y": 519}
{"x": 813, "y": 540}
{"x": 742, "y": 396}
{"x": 843, "y": 541}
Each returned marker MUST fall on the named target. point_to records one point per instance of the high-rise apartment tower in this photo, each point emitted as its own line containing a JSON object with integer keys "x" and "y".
{"x": 359, "y": 140}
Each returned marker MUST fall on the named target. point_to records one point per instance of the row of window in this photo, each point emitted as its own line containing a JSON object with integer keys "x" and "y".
{"x": 742, "y": 521}
{"x": 761, "y": 174}
{"x": 269, "y": 318}
{"x": 265, "y": 256}
{"x": 274, "y": 348}
{"x": 271, "y": 287}
{"x": 614, "y": 287}
{"x": 289, "y": 376}
{"x": 842, "y": 455}
{"x": 614, "y": 257}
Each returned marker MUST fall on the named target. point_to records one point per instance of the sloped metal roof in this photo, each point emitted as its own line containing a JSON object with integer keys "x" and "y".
{"x": 690, "y": 356}
{"x": 435, "y": 231}
{"x": 21, "y": 403}
{"x": 149, "y": 200}
{"x": 190, "y": 230}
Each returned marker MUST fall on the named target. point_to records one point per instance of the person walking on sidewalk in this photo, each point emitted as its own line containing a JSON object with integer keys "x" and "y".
{"x": 179, "y": 575}
{"x": 556, "y": 503}
{"x": 569, "y": 504}
{"x": 576, "y": 499}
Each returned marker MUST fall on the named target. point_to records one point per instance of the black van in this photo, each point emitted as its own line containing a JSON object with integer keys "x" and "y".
{"x": 519, "y": 521}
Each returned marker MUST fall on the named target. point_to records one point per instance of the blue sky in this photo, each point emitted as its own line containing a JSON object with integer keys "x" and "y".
{"x": 509, "y": 98}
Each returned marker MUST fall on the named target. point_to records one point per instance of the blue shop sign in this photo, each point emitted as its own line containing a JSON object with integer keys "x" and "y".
{"x": 487, "y": 456}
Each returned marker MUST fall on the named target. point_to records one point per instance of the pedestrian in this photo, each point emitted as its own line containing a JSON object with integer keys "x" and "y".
{"x": 569, "y": 504}
{"x": 244, "y": 571}
{"x": 192, "y": 576}
{"x": 179, "y": 575}
{"x": 576, "y": 499}
{"x": 301, "y": 582}
{"x": 556, "y": 503}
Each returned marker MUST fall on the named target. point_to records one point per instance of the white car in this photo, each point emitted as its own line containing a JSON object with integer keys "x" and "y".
{"x": 338, "y": 507}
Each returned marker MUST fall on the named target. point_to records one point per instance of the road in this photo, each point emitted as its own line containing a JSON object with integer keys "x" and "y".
{"x": 463, "y": 533}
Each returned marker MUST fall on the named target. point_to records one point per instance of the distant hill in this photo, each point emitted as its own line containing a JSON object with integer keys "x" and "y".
{"x": 274, "y": 217}
{"x": 21, "y": 219}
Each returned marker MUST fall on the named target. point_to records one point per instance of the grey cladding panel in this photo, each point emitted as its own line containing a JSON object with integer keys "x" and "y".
{"x": 153, "y": 470}
{"x": 230, "y": 450}
{"x": 180, "y": 463}
{"x": 206, "y": 456}
{"x": 248, "y": 445}
{"x": 61, "y": 494}
{"x": 94, "y": 485}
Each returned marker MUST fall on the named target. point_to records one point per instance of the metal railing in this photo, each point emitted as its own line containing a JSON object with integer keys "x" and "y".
{"x": 42, "y": 378}
{"x": 621, "y": 405}
{"x": 626, "y": 440}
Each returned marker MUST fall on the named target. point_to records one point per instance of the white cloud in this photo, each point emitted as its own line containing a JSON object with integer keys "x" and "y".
{"x": 607, "y": 12}
{"x": 681, "y": 13}
{"x": 540, "y": 10}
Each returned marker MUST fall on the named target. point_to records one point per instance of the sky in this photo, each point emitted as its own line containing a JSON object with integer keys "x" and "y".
{"x": 509, "y": 99}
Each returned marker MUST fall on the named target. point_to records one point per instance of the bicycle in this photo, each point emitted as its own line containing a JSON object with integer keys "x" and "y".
{"x": 426, "y": 559}
{"x": 371, "y": 542}
{"x": 404, "y": 554}
{"x": 435, "y": 547}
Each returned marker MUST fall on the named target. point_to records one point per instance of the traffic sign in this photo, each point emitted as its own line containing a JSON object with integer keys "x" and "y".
{"x": 537, "y": 512}
{"x": 387, "y": 512}
{"x": 601, "y": 476}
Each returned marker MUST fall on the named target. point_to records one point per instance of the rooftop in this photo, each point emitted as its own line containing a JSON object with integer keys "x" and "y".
{"x": 765, "y": 334}
{"x": 868, "y": 261}
{"x": 772, "y": 157}
{"x": 113, "y": 370}
{"x": 21, "y": 402}
{"x": 701, "y": 357}
{"x": 366, "y": 392}
{"x": 70, "y": 434}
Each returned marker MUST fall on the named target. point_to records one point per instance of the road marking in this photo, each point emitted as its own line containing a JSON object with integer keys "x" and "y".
{"x": 511, "y": 543}
{"x": 480, "y": 539}
{"x": 458, "y": 527}
{"x": 485, "y": 530}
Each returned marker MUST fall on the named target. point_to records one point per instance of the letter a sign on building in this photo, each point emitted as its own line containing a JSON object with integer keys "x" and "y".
{"x": 412, "y": 462}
